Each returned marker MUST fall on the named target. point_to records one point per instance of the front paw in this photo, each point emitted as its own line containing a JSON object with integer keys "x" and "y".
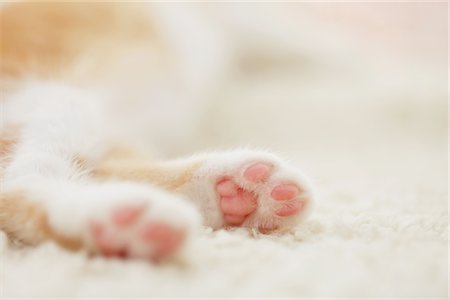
{"x": 250, "y": 189}
{"x": 127, "y": 220}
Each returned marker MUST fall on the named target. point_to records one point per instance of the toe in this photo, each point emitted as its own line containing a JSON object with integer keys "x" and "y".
{"x": 227, "y": 188}
{"x": 242, "y": 204}
{"x": 285, "y": 191}
{"x": 105, "y": 243}
{"x": 234, "y": 220}
{"x": 258, "y": 172}
{"x": 125, "y": 215}
{"x": 165, "y": 239}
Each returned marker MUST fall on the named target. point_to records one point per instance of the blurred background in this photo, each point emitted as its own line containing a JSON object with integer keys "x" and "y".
{"x": 353, "y": 94}
{"x": 343, "y": 89}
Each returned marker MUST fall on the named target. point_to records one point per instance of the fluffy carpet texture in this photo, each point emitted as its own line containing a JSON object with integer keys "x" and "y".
{"x": 371, "y": 234}
{"x": 367, "y": 123}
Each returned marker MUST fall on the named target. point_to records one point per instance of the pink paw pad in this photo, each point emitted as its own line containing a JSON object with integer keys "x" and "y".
{"x": 235, "y": 202}
{"x": 285, "y": 191}
{"x": 125, "y": 215}
{"x": 165, "y": 239}
{"x": 241, "y": 204}
{"x": 227, "y": 188}
{"x": 106, "y": 243}
{"x": 234, "y": 220}
{"x": 258, "y": 172}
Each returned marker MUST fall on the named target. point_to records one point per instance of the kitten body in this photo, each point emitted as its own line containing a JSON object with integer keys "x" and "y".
{"x": 78, "y": 88}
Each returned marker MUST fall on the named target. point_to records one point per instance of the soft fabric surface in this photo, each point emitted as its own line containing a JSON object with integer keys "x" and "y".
{"x": 379, "y": 229}
{"x": 372, "y": 135}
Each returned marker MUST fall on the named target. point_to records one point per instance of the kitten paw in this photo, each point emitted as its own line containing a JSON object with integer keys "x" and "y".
{"x": 252, "y": 189}
{"x": 125, "y": 235}
{"x": 141, "y": 222}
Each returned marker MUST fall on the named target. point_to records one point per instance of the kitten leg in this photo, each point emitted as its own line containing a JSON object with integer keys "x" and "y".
{"x": 237, "y": 188}
{"x": 47, "y": 193}
{"x": 113, "y": 218}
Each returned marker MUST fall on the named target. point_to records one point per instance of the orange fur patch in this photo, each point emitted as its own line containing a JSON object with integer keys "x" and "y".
{"x": 125, "y": 163}
{"x": 79, "y": 162}
{"x": 122, "y": 152}
{"x": 27, "y": 222}
{"x": 143, "y": 171}
{"x": 46, "y": 39}
{"x": 8, "y": 138}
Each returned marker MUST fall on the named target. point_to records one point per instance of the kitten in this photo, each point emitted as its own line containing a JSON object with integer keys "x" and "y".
{"x": 70, "y": 172}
